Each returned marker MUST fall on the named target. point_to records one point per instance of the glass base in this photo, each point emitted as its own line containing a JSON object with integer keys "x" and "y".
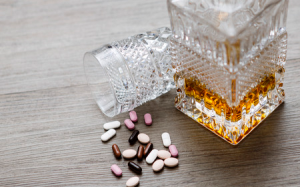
{"x": 232, "y": 132}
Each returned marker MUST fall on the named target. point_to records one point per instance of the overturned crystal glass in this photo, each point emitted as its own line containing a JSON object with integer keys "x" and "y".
{"x": 124, "y": 74}
{"x": 229, "y": 57}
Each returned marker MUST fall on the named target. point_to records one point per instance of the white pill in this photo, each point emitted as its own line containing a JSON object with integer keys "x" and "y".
{"x": 112, "y": 125}
{"x": 129, "y": 153}
{"x": 152, "y": 156}
{"x": 108, "y": 135}
{"x": 133, "y": 181}
{"x": 158, "y": 165}
{"x": 163, "y": 154}
{"x": 166, "y": 139}
{"x": 171, "y": 162}
{"x": 143, "y": 138}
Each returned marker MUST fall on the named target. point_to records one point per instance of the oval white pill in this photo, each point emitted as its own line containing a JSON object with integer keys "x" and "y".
{"x": 133, "y": 181}
{"x": 152, "y": 156}
{"x": 163, "y": 154}
{"x": 129, "y": 153}
{"x": 108, "y": 135}
{"x": 112, "y": 125}
{"x": 143, "y": 138}
{"x": 158, "y": 165}
{"x": 166, "y": 139}
{"x": 171, "y": 162}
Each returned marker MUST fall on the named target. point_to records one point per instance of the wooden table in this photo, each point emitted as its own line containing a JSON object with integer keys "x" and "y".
{"x": 50, "y": 126}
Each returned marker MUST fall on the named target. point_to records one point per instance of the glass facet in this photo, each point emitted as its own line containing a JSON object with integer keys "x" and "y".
{"x": 229, "y": 57}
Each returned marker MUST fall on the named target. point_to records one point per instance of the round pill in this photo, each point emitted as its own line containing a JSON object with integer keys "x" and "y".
{"x": 108, "y": 135}
{"x": 133, "y": 116}
{"x": 158, "y": 165}
{"x": 166, "y": 139}
{"x": 148, "y": 149}
{"x": 116, "y": 170}
{"x": 129, "y": 153}
{"x": 112, "y": 125}
{"x": 140, "y": 153}
{"x": 173, "y": 150}
{"x": 148, "y": 119}
{"x": 116, "y": 150}
{"x": 163, "y": 154}
{"x": 152, "y": 156}
{"x": 143, "y": 138}
{"x": 129, "y": 124}
{"x": 171, "y": 162}
{"x": 133, "y": 181}
{"x": 134, "y": 136}
{"x": 135, "y": 167}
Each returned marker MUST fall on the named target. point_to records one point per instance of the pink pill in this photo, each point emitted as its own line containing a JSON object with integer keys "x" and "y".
{"x": 116, "y": 170}
{"x": 129, "y": 124}
{"x": 148, "y": 119}
{"x": 133, "y": 116}
{"x": 173, "y": 150}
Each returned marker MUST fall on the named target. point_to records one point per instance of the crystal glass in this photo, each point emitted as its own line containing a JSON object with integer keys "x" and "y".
{"x": 229, "y": 57}
{"x": 126, "y": 73}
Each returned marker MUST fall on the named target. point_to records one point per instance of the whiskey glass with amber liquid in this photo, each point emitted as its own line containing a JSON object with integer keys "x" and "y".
{"x": 229, "y": 57}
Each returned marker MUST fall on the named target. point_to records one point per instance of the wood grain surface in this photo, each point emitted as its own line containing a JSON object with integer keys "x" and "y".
{"x": 50, "y": 126}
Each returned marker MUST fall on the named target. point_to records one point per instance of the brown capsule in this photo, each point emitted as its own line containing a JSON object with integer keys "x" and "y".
{"x": 133, "y": 138}
{"x": 140, "y": 152}
{"x": 148, "y": 149}
{"x": 116, "y": 151}
{"x": 135, "y": 167}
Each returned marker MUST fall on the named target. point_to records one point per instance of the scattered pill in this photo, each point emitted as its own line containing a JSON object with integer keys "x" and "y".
{"x": 152, "y": 156}
{"x": 148, "y": 119}
{"x": 116, "y": 170}
{"x": 163, "y": 154}
{"x": 116, "y": 151}
{"x": 133, "y": 116}
{"x": 135, "y": 167}
{"x": 158, "y": 165}
{"x": 143, "y": 138}
{"x": 112, "y": 125}
{"x": 171, "y": 162}
{"x": 173, "y": 150}
{"x": 129, "y": 153}
{"x": 166, "y": 139}
{"x": 140, "y": 153}
{"x": 133, "y": 181}
{"x": 129, "y": 124}
{"x": 134, "y": 136}
{"x": 148, "y": 149}
{"x": 108, "y": 135}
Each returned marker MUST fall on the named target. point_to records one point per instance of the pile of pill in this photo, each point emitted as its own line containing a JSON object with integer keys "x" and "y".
{"x": 166, "y": 158}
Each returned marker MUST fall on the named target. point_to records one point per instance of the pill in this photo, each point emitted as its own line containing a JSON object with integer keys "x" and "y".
{"x": 148, "y": 119}
{"x": 163, "y": 154}
{"x": 116, "y": 170}
{"x": 171, "y": 162}
{"x": 112, "y": 125}
{"x": 129, "y": 153}
{"x": 129, "y": 124}
{"x": 140, "y": 153}
{"x": 173, "y": 150}
{"x": 108, "y": 135}
{"x": 148, "y": 149}
{"x": 134, "y": 136}
{"x": 152, "y": 156}
{"x": 133, "y": 116}
{"x": 133, "y": 181}
{"x": 135, "y": 167}
{"x": 143, "y": 138}
{"x": 158, "y": 165}
{"x": 116, "y": 151}
{"x": 166, "y": 139}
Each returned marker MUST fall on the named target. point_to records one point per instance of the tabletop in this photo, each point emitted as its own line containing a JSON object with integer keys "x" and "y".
{"x": 50, "y": 126}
